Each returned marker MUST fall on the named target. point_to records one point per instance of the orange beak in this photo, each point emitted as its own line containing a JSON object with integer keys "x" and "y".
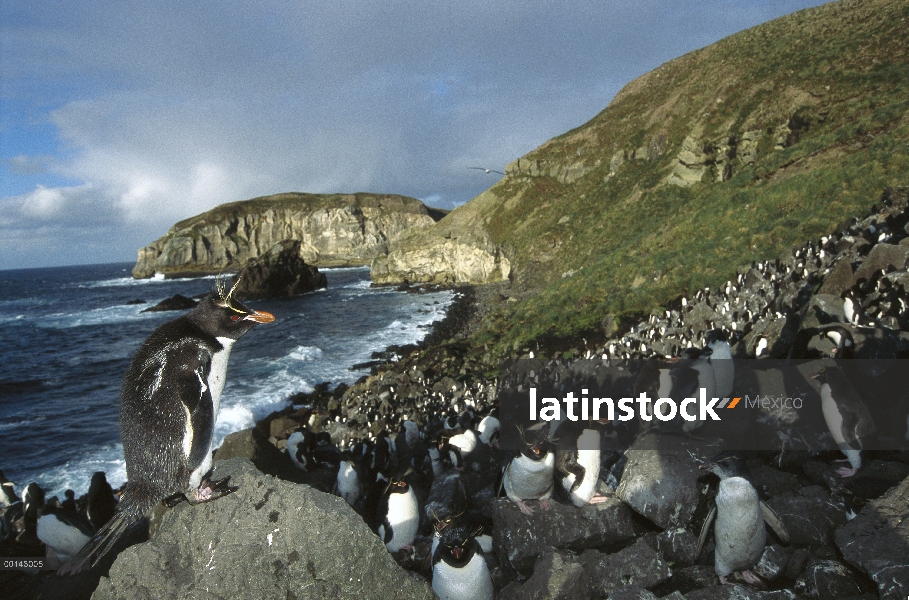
{"x": 261, "y": 317}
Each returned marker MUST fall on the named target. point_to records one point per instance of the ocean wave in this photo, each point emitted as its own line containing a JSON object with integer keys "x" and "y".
{"x": 76, "y": 473}
{"x": 130, "y": 282}
{"x": 306, "y": 353}
{"x": 98, "y": 316}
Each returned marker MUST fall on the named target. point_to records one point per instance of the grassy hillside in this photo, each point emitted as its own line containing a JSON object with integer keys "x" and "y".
{"x": 726, "y": 155}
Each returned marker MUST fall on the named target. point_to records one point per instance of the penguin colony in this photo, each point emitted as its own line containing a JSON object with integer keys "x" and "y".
{"x": 412, "y": 450}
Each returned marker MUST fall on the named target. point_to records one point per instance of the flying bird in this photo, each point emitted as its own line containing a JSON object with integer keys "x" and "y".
{"x": 487, "y": 170}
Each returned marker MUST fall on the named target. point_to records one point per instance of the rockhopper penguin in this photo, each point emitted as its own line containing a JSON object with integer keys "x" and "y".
{"x": 398, "y": 514}
{"x": 459, "y": 571}
{"x": 846, "y": 415}
{"x": 740, "y": 514}
{"x": 529, "y": 475}
{"x": 169, "y": 401}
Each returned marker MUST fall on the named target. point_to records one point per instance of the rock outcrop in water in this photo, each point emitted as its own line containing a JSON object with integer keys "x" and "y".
{"x": 337, "y": 230}
{"x": 281, "y": 273}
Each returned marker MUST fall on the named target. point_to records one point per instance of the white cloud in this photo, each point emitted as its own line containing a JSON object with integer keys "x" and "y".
{"x": 167, "y": 110}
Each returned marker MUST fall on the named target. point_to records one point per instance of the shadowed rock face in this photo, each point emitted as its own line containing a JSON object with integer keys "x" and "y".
{"x": 335, "y": 231}
{"x": 281, "y": 273}
{"x": 269, "y": 539}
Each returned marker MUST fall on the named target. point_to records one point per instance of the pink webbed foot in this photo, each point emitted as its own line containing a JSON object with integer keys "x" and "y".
{"x": 598, "y": 499}
{"x": 753, "y": 579}
{"x": 545, "y": 504}
{"x": 524, "y": 508}
{"x": 846, "y": 471}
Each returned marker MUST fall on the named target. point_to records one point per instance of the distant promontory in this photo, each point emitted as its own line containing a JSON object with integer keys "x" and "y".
{"x": 334, "y": 230}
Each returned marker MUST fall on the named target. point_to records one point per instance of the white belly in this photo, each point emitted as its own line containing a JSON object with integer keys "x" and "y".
{"x": 835, "y": 424}
{"x": 739, "y": 529}
{"x": 216, "y": 379}
{"x": 590, "y": 460}
{"x": 470, "y": 582}
{"x": 404, "y": 519}
{"x": 528, "y": 479}
{"x": 348, "y": 484}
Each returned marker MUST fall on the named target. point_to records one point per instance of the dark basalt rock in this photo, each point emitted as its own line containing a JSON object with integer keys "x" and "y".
{"x": 519, "y": 539}
{"x": 877, "y": 542}
{"x": 280, "y": 273}
{"x": 638, "y": 565}
{"x": 269, "y": 539}
{"x": 177, "y": 302}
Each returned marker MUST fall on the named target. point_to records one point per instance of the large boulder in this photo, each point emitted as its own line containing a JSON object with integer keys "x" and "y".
{"x": 877, "y": 542}
{"x": 281, "y": 272}
{"x": 269, "y": 539}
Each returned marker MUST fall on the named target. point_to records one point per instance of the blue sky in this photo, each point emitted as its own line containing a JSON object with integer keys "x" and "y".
{"x": 117, "y": 121}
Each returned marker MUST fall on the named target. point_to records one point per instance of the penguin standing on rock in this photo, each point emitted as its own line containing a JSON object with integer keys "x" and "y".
{"x": 529, "y": 475}
{"x": 577, "y": 462}
{"x": 169, "y": 401}
{"x": 300, "y": 446}
{"x": 740, "y": 514}
{"x": 459, "y": 571}
{"x": 846, "y": 415}
{"x": 398, "y": 515}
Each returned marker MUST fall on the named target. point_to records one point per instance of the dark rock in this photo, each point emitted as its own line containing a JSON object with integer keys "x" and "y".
{"x": 632, "y": 592}
{"x": 253, "y": 445}
{"x": 556, "y": 576}
{"x": 877, "y": 542}
{"x": 660, "y": 479}
{"x": 810, "y": 516}
{"x": 282, "y": 427}
{"x": 177, "y": 302}
{"x": 269, "y": 539}
{"x": 838, "y": 280}
{"x": 827, "y": 579}
{"x": 519, "y": 539}
{"x": 723, "y": 592}
{"x": 637, "y": 565}
{"x": 797, "y": 563}
{"x": 773, "y": 562}
{"x": 677, "y": 545}
{"x": 883, "y": 257}
{"x": 771, "y": 482}
{"x": 136, "y": 301}
{"x": 694, "y": 577}
{"x": 279, "y": 273}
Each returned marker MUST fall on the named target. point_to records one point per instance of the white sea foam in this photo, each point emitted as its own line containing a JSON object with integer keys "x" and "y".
{"x": 96, "y": 316}
{"x": 306, "y": 353}
{"x": 76, "y": 473}
{"x": 130, "y": 282}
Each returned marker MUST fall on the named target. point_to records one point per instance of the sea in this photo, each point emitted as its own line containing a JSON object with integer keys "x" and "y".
{"x": 67, "y": 335}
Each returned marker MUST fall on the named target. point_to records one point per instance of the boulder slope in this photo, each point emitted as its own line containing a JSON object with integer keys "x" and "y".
{"x": 337, "y": 230}
{"x": 269, "y": 539}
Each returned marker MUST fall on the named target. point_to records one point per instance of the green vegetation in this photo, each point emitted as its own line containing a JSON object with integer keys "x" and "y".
{"x": 310, "y": 202}
{"x": 797, "y": 125}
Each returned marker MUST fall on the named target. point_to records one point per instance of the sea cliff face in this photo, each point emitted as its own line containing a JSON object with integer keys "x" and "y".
{"x": 337, "y": 230}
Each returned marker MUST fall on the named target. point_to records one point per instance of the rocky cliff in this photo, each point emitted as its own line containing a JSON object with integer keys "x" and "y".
{"x": 727, "y": 155}
{"x": 335, "y": 230}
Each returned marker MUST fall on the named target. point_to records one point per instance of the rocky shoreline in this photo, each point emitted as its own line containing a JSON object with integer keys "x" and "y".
{"x": 847, "y": 537}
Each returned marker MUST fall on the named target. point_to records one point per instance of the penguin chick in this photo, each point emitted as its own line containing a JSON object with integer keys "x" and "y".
{"x": 459, "y": 570}
{"x": 169, "y": 402}
{"x": 398, "y": 515}
{"x": 846, "y": 415}
{"x": 529, "y": 475}
{"x": 740, "y": 514}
